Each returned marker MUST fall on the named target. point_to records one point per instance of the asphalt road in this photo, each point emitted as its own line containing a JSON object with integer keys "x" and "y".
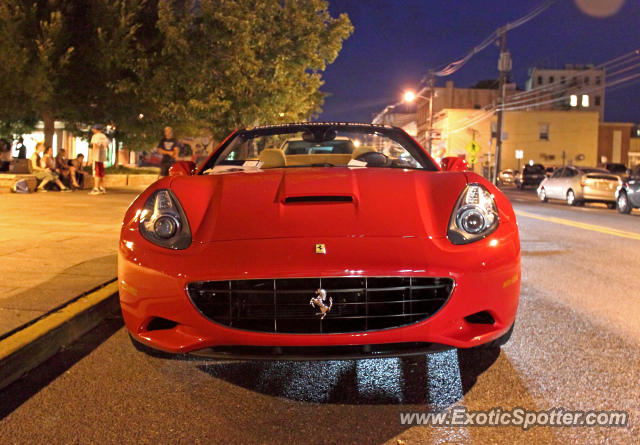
{"x": 575, "y": 345}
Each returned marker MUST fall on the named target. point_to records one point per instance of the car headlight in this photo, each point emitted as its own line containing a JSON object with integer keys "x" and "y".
{"x": 474, "y": 217}
{"x": 163, "y": 222}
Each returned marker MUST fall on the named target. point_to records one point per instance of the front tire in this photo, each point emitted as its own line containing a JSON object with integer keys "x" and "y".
{"x": 542, "y": 195}
{"x": 623, "y": 204}
{"x": 571, "y": 198}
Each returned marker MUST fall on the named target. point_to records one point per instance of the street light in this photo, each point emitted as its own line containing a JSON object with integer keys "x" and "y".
{"x": 410, "y": 96}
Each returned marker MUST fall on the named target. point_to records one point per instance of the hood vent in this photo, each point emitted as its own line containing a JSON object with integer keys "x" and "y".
{"x": 317, "y": 198}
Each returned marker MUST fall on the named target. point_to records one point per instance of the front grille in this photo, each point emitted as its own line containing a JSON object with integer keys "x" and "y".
{"x": 283, "y": 305}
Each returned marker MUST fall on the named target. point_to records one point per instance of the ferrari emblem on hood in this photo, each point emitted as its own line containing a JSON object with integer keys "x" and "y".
{"x": 320, "y": 302}
{"x": 321, "y": 249}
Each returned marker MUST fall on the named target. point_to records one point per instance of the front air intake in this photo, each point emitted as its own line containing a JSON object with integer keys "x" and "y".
{"x": 158, "y": 323}
{"x": 317, "y": 198}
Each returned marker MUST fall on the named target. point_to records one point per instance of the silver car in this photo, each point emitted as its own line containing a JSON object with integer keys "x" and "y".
{"x": 578, "y": 185}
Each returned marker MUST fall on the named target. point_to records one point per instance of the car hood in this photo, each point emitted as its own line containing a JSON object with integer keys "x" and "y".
{"x": 318, "y": 202}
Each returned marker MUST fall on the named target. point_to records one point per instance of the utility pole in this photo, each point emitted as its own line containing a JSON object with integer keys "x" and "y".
{"x": 504, "y": 67}
{"x": 431, "y": 96}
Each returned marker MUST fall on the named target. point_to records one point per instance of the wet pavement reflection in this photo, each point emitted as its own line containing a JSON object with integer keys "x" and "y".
{"x": 437, "y": 380}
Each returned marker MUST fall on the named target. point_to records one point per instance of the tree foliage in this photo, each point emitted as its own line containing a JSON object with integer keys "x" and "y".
{"x": 143, "y": 64}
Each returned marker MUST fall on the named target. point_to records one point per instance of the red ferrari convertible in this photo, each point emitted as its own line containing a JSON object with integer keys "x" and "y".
{"x": 319, "y": 240}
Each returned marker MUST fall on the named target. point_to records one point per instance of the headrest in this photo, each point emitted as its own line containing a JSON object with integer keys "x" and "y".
{"x": 359, "y": 151}
{"x": 272, "y": 158}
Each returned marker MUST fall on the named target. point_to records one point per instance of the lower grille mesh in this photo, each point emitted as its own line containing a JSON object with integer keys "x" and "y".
{"x": 283, "y": 305}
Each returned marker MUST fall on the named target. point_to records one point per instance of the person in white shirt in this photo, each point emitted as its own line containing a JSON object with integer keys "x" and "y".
{"x": 98, "y": 155}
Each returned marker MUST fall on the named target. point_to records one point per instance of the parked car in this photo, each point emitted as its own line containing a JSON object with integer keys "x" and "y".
{"x": 531, "y": 175}
{"x": 615, "y": 168}
{"x": 507, "y": 177}
{"x": 548, "y": 171}
{"x": 578, "y": 185}
{"x": 319, "y": 254}
{"x": 628, "y": 193}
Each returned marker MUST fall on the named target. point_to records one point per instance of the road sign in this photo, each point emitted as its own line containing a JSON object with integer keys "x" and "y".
{"x": 473, "y": 147}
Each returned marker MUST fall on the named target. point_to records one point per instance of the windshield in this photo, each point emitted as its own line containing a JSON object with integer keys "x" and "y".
{"x": 318, "y": 145}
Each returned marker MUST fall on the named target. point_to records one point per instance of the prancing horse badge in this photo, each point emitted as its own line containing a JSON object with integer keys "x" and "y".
{"x": 321, "y": 249}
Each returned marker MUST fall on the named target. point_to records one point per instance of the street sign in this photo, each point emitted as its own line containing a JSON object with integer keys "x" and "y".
{"x": 473, "y": 147}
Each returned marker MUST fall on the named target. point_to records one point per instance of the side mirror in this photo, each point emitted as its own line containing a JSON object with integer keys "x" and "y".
{"x": 453, "y": 164}
{"x": 182, "y": 168}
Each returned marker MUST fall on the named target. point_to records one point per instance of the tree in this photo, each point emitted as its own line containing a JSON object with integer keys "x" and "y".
{"x": 143, "y": 64}
{"x": 239, "y": 62}
{"x": 50, "y": 69}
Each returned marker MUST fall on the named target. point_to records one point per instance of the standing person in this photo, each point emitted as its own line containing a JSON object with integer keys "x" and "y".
{"x": 169, "y": 148}
{"x": 21, "y": 149}
{"x": 44, "y": 175}
{"x": 98, "y": 155}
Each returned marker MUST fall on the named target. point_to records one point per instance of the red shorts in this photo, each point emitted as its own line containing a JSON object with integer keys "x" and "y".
{"x": 98, "y": 169}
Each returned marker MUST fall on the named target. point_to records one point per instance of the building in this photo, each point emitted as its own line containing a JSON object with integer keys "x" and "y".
{"x": 548, "y": 137}
{"x": 450, "y": 97}
{"x": 401, "y": 115}
{"x": 614, "y": 142}
{"x": 574, "y": 87}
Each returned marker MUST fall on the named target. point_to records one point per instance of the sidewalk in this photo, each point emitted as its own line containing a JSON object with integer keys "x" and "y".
{"x": 55, "y": 246}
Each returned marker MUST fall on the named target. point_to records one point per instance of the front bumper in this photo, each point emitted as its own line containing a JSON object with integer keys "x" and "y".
{"x": 153, "y": 284}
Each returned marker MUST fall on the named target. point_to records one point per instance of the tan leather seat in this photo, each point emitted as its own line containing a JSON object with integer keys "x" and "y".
{"x": 359, "y": 151}
{"x": 319, "y": 158}
{"x": 272, "y": 158}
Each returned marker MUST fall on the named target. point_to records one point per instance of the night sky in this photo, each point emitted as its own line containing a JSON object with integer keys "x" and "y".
{"x": 395, "y": 43}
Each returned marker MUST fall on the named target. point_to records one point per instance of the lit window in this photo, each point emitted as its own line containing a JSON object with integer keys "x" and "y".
{"x": 544, "y": 132}
{"x": 585, "y": 100}
{"x": 573, "y": 100}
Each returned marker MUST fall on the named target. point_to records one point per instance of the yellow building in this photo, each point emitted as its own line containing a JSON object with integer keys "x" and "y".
{"x": 551, "y": 138}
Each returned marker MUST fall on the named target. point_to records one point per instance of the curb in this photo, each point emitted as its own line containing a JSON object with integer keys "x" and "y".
{"x": 29, "y": 347}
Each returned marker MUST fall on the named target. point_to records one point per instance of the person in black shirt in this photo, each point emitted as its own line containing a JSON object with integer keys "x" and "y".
{"x": 21, "y": 149}
{"x": 169, "y": 148}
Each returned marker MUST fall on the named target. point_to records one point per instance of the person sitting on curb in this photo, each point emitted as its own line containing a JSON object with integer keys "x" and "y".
{"x": 66, "y": 171}
{"x": 44, "y": 175}
{"x": 78, "y": 167}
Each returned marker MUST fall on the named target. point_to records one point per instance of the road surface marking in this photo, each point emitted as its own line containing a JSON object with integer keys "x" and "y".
{"x": 579, "y": 225}
{"x": 54, "y": 320}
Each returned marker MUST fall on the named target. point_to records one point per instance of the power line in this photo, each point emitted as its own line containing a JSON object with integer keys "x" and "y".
{"x": 533, "y": 98}
{"x": 470, "y": 122}
{"x": 456, "y": 65}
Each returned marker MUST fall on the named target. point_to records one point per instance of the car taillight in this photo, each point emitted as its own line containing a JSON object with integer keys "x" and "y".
{"x": 474, "y": 216}
{"x": 163, "y": 222}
